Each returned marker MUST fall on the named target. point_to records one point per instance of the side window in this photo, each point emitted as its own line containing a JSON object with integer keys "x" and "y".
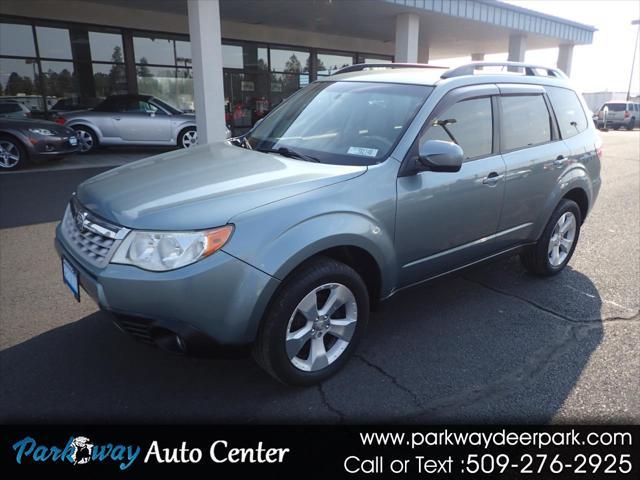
{"x": 525, "y": 121}
{"x": 468, "y": 123}
{"x": 569, "y": 113}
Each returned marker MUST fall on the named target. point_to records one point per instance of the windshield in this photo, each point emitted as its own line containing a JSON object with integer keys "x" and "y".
{"x": 167, "y": 106}
{"x": 347, "y": 123}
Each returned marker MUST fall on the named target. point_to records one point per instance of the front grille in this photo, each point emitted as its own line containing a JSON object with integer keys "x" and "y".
{"x": 92, "y": 239}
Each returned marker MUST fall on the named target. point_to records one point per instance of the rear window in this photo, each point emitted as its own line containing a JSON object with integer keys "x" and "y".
{"x": 615, "y": 107}
{"x": 525, "y": 121}
{"x": 569, "y": 113}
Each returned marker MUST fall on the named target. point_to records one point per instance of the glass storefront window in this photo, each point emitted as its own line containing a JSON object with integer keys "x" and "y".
{"x": 289, "y": 61}
{"x": 246, "y": 98}
{"x": 250, "y": 57}
{"x": 106, "y": 47}
{"x": 16, "y": 39}
{"x": 283, "y": 85}
{"x": 19, "y": 81}
{"x": 173, "y": 85}
{"x": 376, "y": 60}
{"x": 54, "y": 42}
{"x": 183, "y": 53}
{"x": 60, "y": 81}
{"x": 329, "y": 63}
{"x": 154, "y": 50}
{"x": 109, "y": 79}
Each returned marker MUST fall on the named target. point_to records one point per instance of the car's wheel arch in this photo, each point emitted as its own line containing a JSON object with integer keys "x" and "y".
{"x": 577, "y": 187}
{"x": 86, "y": 126}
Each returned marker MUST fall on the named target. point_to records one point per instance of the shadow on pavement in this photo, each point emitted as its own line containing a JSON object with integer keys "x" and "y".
{"x": 493, "y": 345}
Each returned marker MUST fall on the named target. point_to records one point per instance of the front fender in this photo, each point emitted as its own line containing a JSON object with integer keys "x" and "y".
{"x": 281, "y": 255}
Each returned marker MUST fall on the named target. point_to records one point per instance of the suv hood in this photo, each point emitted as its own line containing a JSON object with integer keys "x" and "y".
{"x": 202, "y": 187}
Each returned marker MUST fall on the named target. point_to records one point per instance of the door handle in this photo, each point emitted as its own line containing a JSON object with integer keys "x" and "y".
{"x": 116, "y": 118}
{"x": 559, "y": 161}
{"x": 492, "y": 179}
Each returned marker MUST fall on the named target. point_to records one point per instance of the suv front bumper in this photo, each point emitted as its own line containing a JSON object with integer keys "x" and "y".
{"x": 219, "y": 298}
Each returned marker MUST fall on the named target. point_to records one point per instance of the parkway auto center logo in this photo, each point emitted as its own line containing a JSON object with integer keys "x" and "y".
{"x": 78, "y": 450}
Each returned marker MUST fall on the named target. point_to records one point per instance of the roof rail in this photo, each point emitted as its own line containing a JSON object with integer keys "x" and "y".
{"x": 362, "y": 66}
{"x": 529, "y": 69}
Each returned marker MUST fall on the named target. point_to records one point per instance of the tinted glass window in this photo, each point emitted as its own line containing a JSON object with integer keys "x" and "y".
{"x": 154, "y": 50}
{"x": 525, "y": 121}
{"x": 289, "y": 61}
{"x": 247, "y": 56}
{"x": 329, "y": 63}
{"x": 16, "y": 40}
{"x": 615, "y": 107}
{"x": 9, "y": 107}
{"x": 54, "y": 42}
{"x": 106, "y": 47}
{"x": 568, "y": 109}
{"x": 468, "y": 123}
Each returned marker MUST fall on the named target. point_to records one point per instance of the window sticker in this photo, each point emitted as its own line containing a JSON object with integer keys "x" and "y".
{"x": 362, "y": 151}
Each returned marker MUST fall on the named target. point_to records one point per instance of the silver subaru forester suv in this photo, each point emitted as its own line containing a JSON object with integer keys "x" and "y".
{"x": 359, "y": 185}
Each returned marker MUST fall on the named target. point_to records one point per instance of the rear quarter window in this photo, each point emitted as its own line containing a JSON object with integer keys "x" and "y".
{"x": 568, "y": 109}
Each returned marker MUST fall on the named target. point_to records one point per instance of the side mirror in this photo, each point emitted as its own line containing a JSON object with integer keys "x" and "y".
{"x": 439, "y": 156}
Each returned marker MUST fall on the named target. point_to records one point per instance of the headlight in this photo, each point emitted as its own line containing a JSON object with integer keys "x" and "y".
{"x": 42, "y": 131}
{"x": 161, "y": 251}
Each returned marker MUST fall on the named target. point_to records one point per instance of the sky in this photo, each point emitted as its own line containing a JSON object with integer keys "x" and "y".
{"x": 604, "y": 65}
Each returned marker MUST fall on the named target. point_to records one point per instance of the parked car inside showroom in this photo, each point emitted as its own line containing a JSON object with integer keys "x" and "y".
{"x": 357, "y": 186}
{"x": 25, "y": 140}
{"x": 141, "y": 120}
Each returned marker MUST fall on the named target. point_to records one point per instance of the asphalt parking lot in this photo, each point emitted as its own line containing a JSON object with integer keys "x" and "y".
{"x": 492, "y": 344}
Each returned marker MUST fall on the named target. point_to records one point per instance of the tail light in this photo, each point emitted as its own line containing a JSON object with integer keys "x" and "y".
{"x": 626, "y": 114}
{"x": 27, "y": 114}
{"x": 600, "y": 115}
{"x": 599, "y": 152}
{"x": 60, "y": 120}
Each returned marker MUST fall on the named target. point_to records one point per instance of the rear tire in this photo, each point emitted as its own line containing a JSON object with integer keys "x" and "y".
{"x": 555, "y": 247}
{"x": 314, "y": 323}
{"x": 87, "y": 139}
{"x": 13, "y": 155}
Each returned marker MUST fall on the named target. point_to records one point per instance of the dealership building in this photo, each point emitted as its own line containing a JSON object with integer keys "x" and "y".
{"x": 233, "y": 60}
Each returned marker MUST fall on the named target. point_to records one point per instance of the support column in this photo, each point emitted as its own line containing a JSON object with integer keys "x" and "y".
{"x": 208, "y": 87}
{"x": 565, "y": 56}
{"x": 517, "y": 49}
{"x": 407, "y": 36}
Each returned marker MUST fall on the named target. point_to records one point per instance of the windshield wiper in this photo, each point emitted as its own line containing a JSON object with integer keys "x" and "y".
{"x": 287, "y": 152}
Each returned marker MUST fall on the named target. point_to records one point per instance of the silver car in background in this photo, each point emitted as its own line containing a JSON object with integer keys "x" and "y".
{"x": 131, "y": 120}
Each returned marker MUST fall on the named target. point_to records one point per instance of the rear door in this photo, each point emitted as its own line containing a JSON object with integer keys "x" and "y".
{"x": 535, "y": 157}
{"x": 446, "y": 220}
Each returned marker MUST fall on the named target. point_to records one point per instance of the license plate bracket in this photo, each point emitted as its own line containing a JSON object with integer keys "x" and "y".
{"x": 71, "y": 278}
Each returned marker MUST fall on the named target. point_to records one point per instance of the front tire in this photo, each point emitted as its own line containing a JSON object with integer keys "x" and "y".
{"x": 314, "y": 323}
{"x": 13, "y": 155}
{"x": 188, "y": 138}
{"x": 87, "y": 138}
{"x": 555, "y": 247}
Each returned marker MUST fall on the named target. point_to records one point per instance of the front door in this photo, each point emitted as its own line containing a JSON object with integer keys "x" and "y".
{"x": 142, "y": 122}
{"x": 448, "y": 220}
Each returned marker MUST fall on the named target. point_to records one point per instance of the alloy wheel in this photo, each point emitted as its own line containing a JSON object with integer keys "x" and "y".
{"x": 9, "y": 154}
{"x": 190, "y": 138}
{"x": 85, "y": 139}
{"x": 562, "y": 238}
{"x": 321, "y": 327}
